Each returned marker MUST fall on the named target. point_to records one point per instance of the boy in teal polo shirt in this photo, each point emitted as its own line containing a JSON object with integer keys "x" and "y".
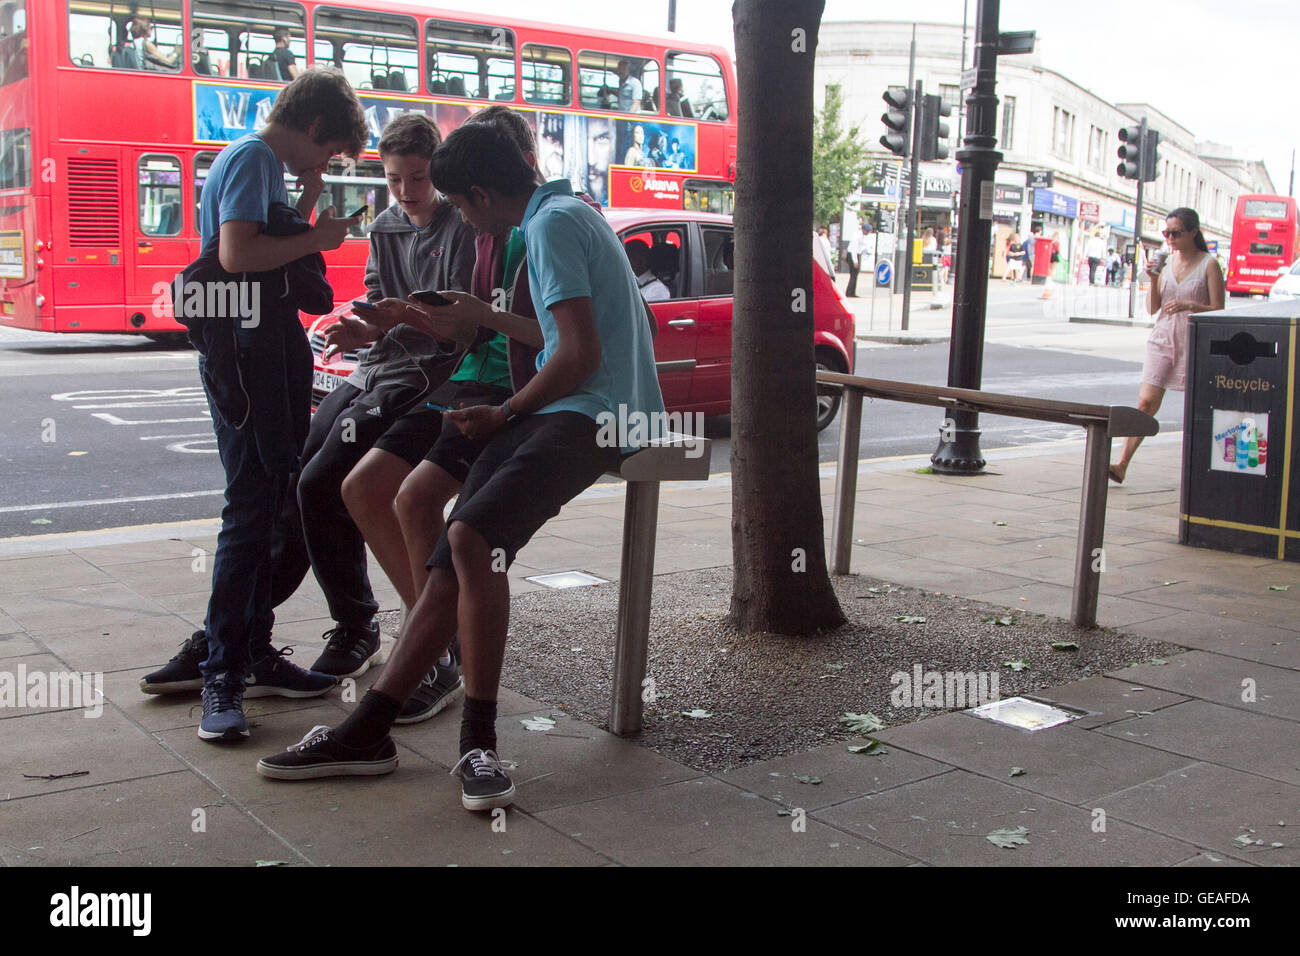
{"x": 542, "y": 449}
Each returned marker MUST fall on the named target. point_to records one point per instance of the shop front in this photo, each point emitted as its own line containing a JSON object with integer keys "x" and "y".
{"x": 1055, "y": 214}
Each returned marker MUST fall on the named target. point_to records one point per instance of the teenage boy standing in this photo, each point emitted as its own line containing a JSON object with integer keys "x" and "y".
{"x": 314, "y": 118}
{"x": 542, "y": 451}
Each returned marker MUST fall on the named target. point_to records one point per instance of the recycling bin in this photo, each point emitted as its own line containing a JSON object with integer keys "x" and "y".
{"x": 1240, "y": 490}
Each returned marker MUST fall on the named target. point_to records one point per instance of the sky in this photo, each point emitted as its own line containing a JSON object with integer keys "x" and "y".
{"x": 1224, "y": 70}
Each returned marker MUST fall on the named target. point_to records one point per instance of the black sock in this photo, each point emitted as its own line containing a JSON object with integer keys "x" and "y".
{"x": 478, "y": 725}
{"x": 369, "y": 723}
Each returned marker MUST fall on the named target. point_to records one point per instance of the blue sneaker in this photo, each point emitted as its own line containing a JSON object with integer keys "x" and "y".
{"x": 223, "y": 708}
{"x": 275, "y": 674}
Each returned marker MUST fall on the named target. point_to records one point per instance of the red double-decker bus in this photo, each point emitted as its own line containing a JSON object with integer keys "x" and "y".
{"x": 111, "y": 112}
{"x": 1264, "y": 240}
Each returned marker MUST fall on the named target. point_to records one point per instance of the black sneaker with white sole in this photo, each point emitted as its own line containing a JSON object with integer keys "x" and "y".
{"x": 439, "y": 688}
{"x": 484, "y": 783}
{"x": 319, "y": 755}
{"x": 350, "y": 652}
{"x": 275, "y": 675}
{"x": 181, "y": 673}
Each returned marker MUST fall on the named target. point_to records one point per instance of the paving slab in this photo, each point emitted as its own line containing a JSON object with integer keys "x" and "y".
{"x": 842, "y": 775}
{"x": 41, "y": 683}
{"x": 1211, "y": 806}
{"x": 92, "y": 605}
{"x": 571, "y": 764}
{"x": 131, "y": 552}
{"x": 945, "y": 820}
{"x": 39, "y": 572}
{"x": 1217, "y": 678}
{"x": 1055, "y": 600}
{"x": 118, "y": 645}
{"x": 188, "y": 824}
{"x": 1064, "y": 762}
{"x": 109, "y": 746}
{"x": 705, "y": 822}
{"x": 1252, "y": 743}
{"x": 17, "y": 643}
{"x": 1277, "y": 646}
{"x": 1109, "y": 699}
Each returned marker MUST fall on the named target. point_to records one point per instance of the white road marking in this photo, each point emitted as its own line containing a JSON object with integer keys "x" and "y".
{"x": 98, "y": 502}
{"x": 112, "y": 419}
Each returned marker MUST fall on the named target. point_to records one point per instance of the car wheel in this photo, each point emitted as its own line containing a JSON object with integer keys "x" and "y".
{"x": 828, "y": 399}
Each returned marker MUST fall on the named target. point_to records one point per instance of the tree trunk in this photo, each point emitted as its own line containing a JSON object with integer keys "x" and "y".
{"x": 780, "y": 579}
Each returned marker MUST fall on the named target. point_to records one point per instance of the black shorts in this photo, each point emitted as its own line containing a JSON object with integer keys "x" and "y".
{"x": 421, "y": 434}
{"x": 523, "y": 477}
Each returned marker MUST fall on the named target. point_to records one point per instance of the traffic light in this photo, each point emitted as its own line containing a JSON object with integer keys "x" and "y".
{"x": 1130, "y": 152}
{"x": 933, "y": 129}
{"x": 898, "y": 120}
{"x": 1150, "y": 156}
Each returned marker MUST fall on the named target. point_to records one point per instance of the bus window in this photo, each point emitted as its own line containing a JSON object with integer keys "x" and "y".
{"x": 238, "y": 38}
{"x": 618, "y": 81}
{"x": 547, "y": 75}
{"x": 695, "y": 87}
{"x": 106, "y": 36}
{"x": 375, "y": 51}
{"x": 13, "y": 41}
{"x": 202, "y": 162}
{"x": 1264, "y": 209}
{"x": 159, "y": 195}
{"x": 348, "y": 186}
{"x": 469, "y": 60}
{"x": 15, "y": 158}
{"x": 709, "y": 196}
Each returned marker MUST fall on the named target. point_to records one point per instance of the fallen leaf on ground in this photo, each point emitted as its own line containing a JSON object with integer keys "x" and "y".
{"x": 540, "y": 724}
{"x": 1017, "y": 772}
{"x": 1004, "y": 621}
{"x": 1020, "y": 665}
{"x": 1279, "y": 587}
{"x": 1009, "y": 839}
{"x": 862, "y": 723}
{"x": 909, "y": 618}
{"x": 696, "y": 714}
{"x": 1000, "y": 524}
{"x": 808, "y": 779}
{"x": 1064, "y": 646}
{"x": 874, "y": 748}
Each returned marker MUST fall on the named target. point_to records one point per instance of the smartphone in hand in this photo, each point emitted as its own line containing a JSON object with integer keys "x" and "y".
{"x": 429, "y": 297}
{"x": 359, "y": 212}
{"x": 361, "y": 305}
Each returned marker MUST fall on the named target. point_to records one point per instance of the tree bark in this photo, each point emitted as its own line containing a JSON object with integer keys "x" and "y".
{"x": 780, "y": 579}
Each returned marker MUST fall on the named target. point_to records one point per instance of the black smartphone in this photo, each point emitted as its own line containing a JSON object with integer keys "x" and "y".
{"x": 361, "y": 305}
{"x": 429, "y": 297}
{"x": 357, "y": 212}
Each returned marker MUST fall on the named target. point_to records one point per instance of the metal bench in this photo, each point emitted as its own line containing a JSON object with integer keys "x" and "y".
{"x": 663, "y": 460}
{"x": 1102, "y": 423}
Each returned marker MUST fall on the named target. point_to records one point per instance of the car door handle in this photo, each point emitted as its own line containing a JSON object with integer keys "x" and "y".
{"x": 681, "y": 323}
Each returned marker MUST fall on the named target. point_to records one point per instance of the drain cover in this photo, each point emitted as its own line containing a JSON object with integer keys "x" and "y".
{"x": 1024, "y": 713}
{"x": 567, "y": 579}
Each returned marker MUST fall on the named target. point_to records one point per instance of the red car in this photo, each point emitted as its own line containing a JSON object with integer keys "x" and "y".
{"x": 691, "y": 255}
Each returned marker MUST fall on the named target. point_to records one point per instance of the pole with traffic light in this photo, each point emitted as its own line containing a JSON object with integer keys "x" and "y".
{"x": 1139, "y": 159}
{"x": 901, "y": 120}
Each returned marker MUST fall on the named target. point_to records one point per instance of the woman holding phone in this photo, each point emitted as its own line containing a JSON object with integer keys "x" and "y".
{"x": 1184, "y": 279}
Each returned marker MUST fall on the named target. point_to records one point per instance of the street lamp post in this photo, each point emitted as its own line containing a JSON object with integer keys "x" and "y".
{"x": 959, "y": 437}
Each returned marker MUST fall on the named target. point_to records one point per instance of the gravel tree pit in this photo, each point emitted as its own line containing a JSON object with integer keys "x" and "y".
{"x": 722, "y": 700}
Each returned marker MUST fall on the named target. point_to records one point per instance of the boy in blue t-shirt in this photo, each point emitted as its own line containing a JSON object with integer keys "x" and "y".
{"x": 543, "y": 447}
{"x": 314, "y": 118}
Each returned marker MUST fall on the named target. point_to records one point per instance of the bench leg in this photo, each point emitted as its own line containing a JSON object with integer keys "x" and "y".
{"x": 636, "y": 579}
{"x": 1092, "y": 527}
{"x": 846, "y": 481}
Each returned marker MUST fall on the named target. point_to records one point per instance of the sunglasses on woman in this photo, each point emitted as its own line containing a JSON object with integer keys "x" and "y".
{"x": 1173, "y": 233}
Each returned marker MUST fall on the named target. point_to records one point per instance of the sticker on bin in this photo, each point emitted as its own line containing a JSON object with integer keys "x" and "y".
{"x": 1240, "y": 442}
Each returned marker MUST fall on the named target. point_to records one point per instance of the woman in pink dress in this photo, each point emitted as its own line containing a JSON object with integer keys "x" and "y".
{"x": 1188, "y": 280}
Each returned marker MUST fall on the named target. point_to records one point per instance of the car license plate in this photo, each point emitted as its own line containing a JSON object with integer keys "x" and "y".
{"x": 326, "y": 381}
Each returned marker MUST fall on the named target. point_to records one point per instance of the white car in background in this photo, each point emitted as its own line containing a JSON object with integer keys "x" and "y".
{"x": 1288, "y": 284}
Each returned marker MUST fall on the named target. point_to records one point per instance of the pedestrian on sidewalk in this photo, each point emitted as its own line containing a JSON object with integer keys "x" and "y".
{"x": 1015, "y": 259}
{"x": 256, "y": 372}
{"x": 1095, "y": 250}
{"x": 543, "y": 447}
{"x": 857, "y": 249}
{"x": 1186, "y": 280}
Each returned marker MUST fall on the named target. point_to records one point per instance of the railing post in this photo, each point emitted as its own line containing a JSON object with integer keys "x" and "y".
{"x": 846, "y": 480}
{"x": 1088, "y": 559}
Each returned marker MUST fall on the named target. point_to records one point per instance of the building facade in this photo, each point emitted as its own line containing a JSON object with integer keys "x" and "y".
{"x": 1058, "y": 141}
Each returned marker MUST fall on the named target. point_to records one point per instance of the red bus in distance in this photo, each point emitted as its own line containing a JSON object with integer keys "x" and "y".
{"x": 1264, "y": 241}
{"x": 111, "y": 112}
